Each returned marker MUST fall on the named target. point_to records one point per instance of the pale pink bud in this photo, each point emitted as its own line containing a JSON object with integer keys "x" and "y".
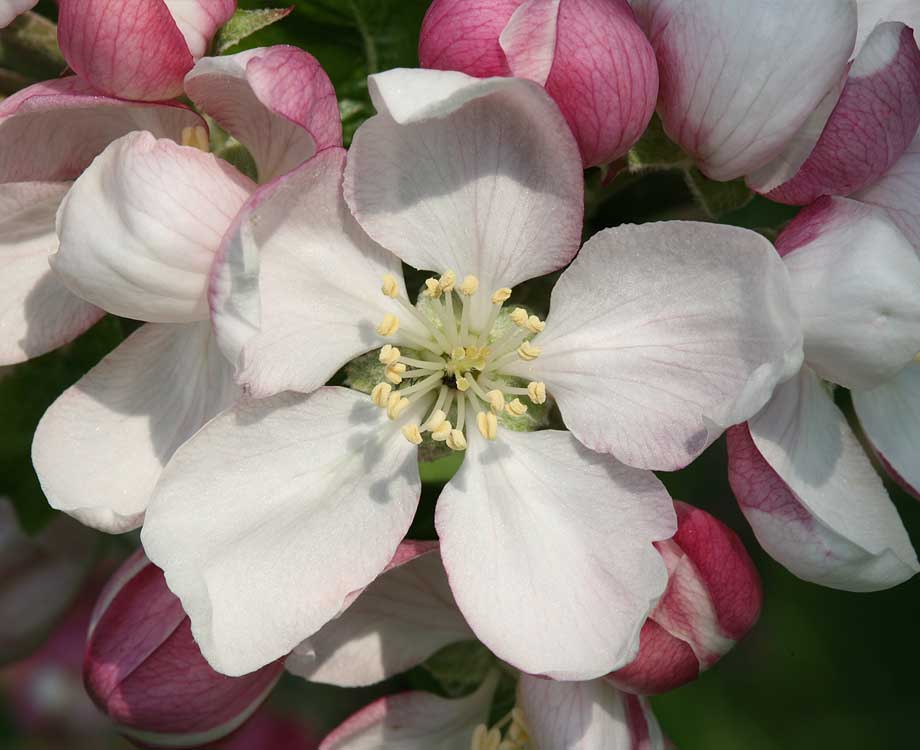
{"x": 145, "y": 671}
{"x": 590, "y": 55}
{"x": 713, "y": 599}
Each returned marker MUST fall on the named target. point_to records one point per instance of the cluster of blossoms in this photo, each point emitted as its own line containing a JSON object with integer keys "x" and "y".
{"x": 274, "y": 507}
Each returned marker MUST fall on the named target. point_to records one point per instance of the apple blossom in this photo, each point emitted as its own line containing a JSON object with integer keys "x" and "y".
{"x": 713, "y": 599}
{"x": 143, "y": 669}
{"x": 39, "y": 578}
{"x": 590, "y": 55}
{"x": 9, "y": 9}
{"x": 138, "y": 49}
{"x": 138, "y": 233}
{"x": 799, "y": 473}
{"x": 49, "y": 133}
{"x": 313, "y": 491}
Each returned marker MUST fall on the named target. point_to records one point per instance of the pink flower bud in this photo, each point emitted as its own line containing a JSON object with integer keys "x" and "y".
{"x": 145, "y": 671}
{"x": 590, "y": 55}
{"x": 713, "y": 599}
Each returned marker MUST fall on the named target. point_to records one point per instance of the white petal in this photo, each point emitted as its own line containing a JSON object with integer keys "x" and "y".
{"x": 477, "y": 176}
{"x": 739, "y": 78}
{"x": 100, "y": 448}
{"x": 295, "y": 291}
{"x": 660, "y": 336}
{"x": 548, "y": 548}
{"x": 198, "y": 20}
{"x": 874, "y": 12}
{"x": 586, "y": 716}
{"x": 277, "y": 101}
{"x": 890, "y": 416}
{"x": 37, "y": 313}
{"x": 860, "y": 543}
{"x": 415, "y": 721}
{"x": 272, "y": 515}
{"x": 855, "y": 280}
{"x": 140, "y": 227}
{"x": 400, "y": 620}
{"x": 9, "y": 9}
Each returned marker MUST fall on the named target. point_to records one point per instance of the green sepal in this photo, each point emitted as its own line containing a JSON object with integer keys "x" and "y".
{"x": 655, "y": 150}
{"x": 460, "y": 668}
{"x": 244, "y": 24}
{"x": 717, "y": 198}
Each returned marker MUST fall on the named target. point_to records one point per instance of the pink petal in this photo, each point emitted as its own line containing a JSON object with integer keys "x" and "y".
{"x": 199, "y": 20}
{"x": 130, "y": 49}
{"x": 463, "y": 35}
{"x": 277, "y": 101}
{"x": 53, "y": 130}
{"x": 665, "y": 662}
{"x": 871, "y": 126}
{"x": 529, "y": 39}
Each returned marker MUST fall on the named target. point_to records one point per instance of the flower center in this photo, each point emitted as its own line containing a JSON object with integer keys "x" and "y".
{"x": 515, "y": 737}
{"x": 456, "y": 377}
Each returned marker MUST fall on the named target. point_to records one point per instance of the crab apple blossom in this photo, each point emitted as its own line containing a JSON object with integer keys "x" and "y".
{"x": 9, "y": 9}
{"x": 50, "y": 133}
{"x": 39, "y": 578}
{"x": 480, "y": 182}
{"x": 590, "y": 55}
{"x": 143, "y": 669}
{"x": 798, "y": 471}
{"x": 713, "y": 599}
{"x": 138, "y": 234}
{"x": 138, "y": 49}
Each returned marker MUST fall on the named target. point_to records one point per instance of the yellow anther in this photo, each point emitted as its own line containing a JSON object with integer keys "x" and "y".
{"x": 412, "y": 433}
{"x": 462, "y": 384}
{"x": 396, "y": 405}
{"x": 917, "y": 358}
{"x": 487, "y": 424}
{"x": 479, "y": 737}
{"x": 469, "y": 286}
{"x": 496, "y": 401}
{"x": 535, "y": 325}
{"x": 528, "y": 351}
{"x": 456, "y": 440}
{"x": 389, "y": 325}
{"x": 436, "y": 420}
{"x": 196, "y": 136}
{"x": 394, "y": 372}
{"x": 536, "y": 392}
{"x": 458, "y": 352}
{"x": 447, "y": 281}
{"x": 432, "y": 288}
{"x": 389, "y": 355}
{"x": 516, "y": 408}
{"x": 390, "y": 286}
{"x": 519, "y": 317}
{"x": 443, "y": 432}
{"x": 501, "y": 295}
{"x": 381, "y": 394}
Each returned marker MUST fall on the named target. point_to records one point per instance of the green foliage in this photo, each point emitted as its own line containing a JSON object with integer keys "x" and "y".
{"x": 244, "y": 24}
{"x": 656, "y": 151}
{"x": 29, "y": 53}
{"x": 460, "y": 668}
{"x": 717, "y": 198}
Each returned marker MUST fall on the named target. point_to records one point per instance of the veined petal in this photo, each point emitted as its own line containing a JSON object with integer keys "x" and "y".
{"x": 9, "y": 9}
{"x": 476, "y": 176}
{"x": 415, "y": 721}
{"x": 295, "y": 290}
{"x": 130, "y": 49}
{"x": 37, "y": 313}
{"x": 297, "y": 502}
{"x": 53, "y": 130}
{"x": 396, "y": 623}
{"x": 529, "y": 39}
{"x": 874, "y": 12}
{"x": 811, "y": 495}
{"x": 278, "y": 101}
{"x": 898, "y": 192}
{"x": 199, "y": 20}
{"x": 732, "y": 89}
{"x": 662, "y": 335}
{"x": 548, "y": 548}
{"x": 587, "y": 716}
{"x": 99, "y": 449}
{"x": 855, "y": 281}
{"x": 871, "y": 125}
{"x": 890, "y": 416}
{"x": 140, "y": 228}
{"x": 464, "y": 35}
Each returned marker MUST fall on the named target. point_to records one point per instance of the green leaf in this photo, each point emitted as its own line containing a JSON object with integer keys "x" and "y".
{"x": 244, "y": 24}
{"x": 460, "y": 668}
{"x": 717, "y": 198}
{"x": 656, "y": 151}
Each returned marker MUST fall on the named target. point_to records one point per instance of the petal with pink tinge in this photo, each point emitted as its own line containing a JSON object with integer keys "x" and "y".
{"x": 529, "y": 39}
{"x": 874, "y": 12}
{"x": 199, "y": 20}
{"x": 464, "y": 35}
{"x": 9, "y": 9}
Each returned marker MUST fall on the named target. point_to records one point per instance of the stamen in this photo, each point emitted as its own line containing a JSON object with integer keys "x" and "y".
{"x": 519, "y": 317}
{"x": 447, "y": 281}
{"x": 463, "y": 385}
{"x": 431, "y": 423}
{"x": 390, "y": 286}
{"x": 389, "y": 355}
{"x": 196, "y": 136}
{"x": 435, "y": 421}
{"x": 516, "y": 408}
{"x": 432, "y": 288}
{"x": 500, "y": 296}
{"x": 536, "y": 391}
{"x": 488, "y": 424}
{"x": 429, "y": 326}
{"x": 461, "y": 413}
{"x": 528, "y": 352}
{"x": 465, "y": 317}
{"x": 456, "y": 441}
{"x": 496, "y": 401}
{"x": 535, "y": 325}
{"x": 412, "y": 434}
{"x": 389, "y": 325}
{"x": 396, "y": 405}
{"x": 469, "y": 287}
{"x": 381, "y": 394}
{"x": 394, "y": 373}
{"x": 443, "y": 432}
{"x": 423, "y": 386}
{"x": 423, "y": 364}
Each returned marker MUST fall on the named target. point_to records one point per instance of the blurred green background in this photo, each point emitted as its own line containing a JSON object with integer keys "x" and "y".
{"x": 823, "y": 669}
